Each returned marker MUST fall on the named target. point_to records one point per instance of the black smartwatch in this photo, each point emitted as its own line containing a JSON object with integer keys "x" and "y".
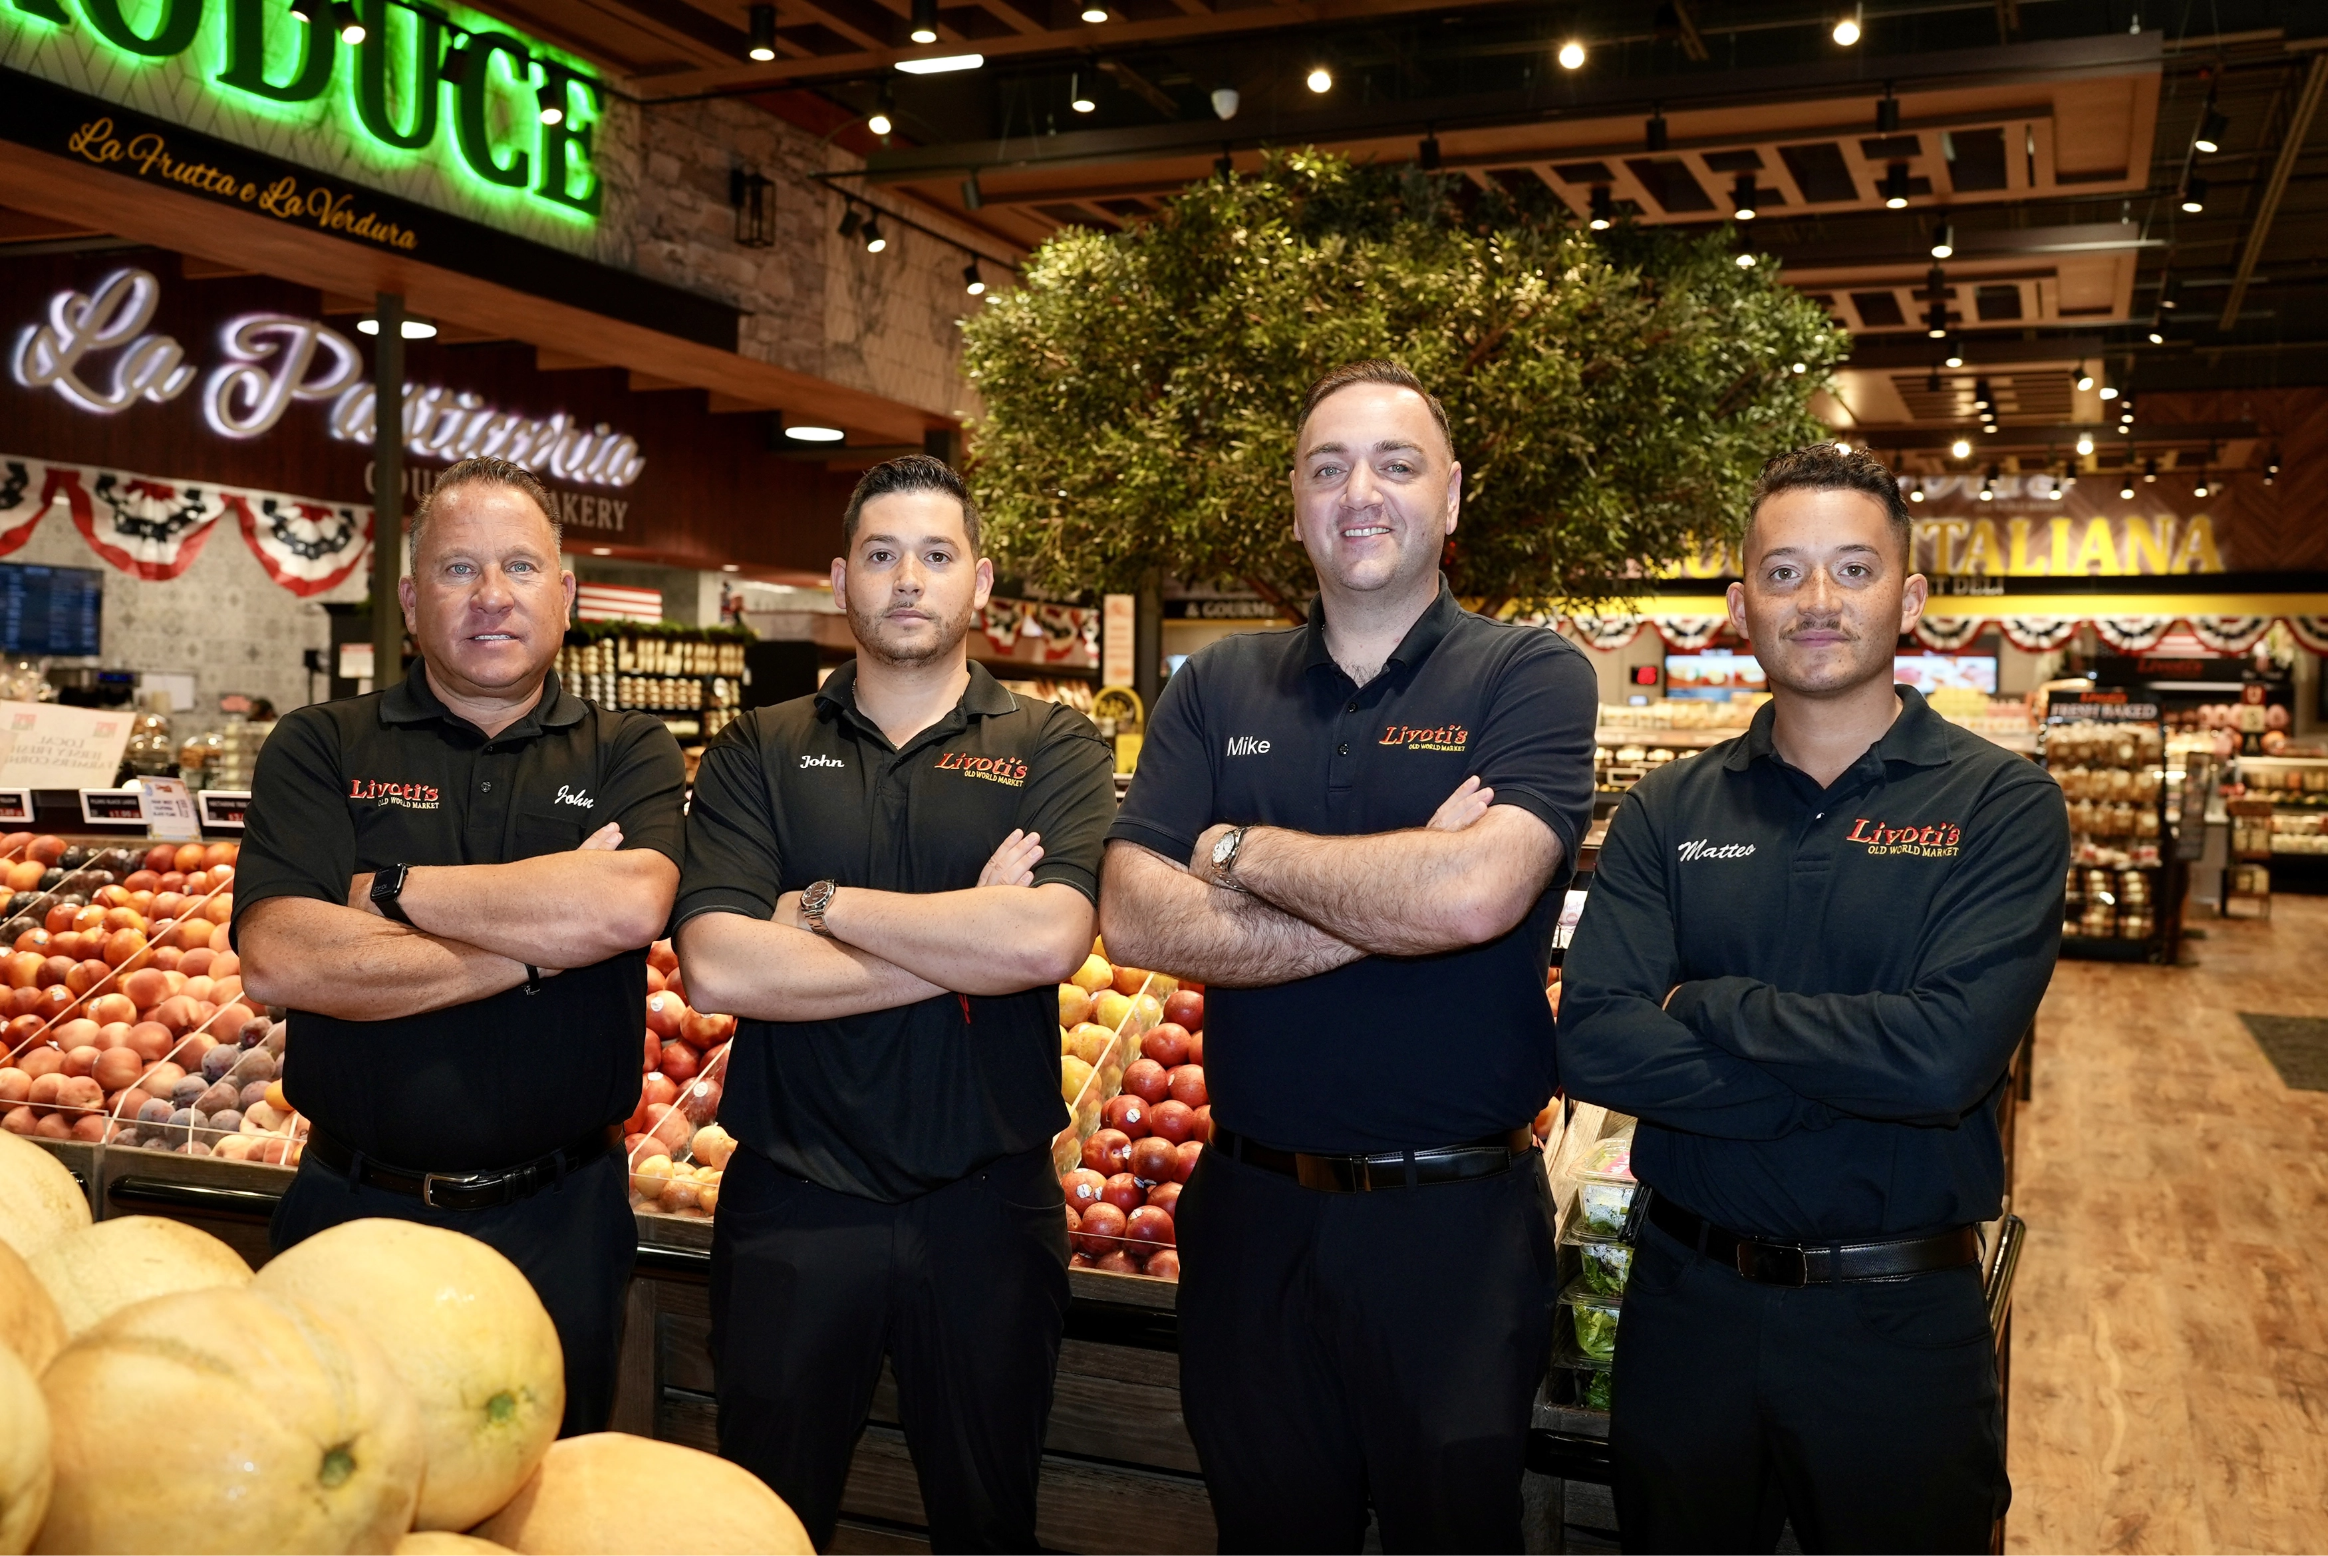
{"x": 387, "y": 886}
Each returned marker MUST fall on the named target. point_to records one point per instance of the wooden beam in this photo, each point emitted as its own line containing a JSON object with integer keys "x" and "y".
{"x": 1014, "y": 17}
{"x": 675, "y": 21}
{"x": 1141, "y": 87}
{"x": 2299, "y": 128}
{"x": 728, "y": 404}
{"x": 862, "y": 22}
{"x": 549, "y": 360}
{"x": 1692, "y": 45}
{"x": 642, "y": 383}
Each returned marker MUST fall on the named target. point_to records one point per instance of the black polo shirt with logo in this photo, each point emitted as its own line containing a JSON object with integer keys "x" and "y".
{"x": 396, "y": 778}
{"x": 1850, "y": 970}
{"x": 1263, "y": 728}
{"x": 891, "y": 1104}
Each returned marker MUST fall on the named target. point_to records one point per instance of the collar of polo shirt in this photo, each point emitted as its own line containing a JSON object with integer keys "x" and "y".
{"x": 414, "y": 701}
{"x": 1432, "y": 625}
{"x": 1918, "y": 737}
{"x": 984, "y": 694}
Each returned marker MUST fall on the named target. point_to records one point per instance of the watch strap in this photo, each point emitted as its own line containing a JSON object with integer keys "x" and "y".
{"x": 387, "y": 889}
{"x": 813, "y": 903}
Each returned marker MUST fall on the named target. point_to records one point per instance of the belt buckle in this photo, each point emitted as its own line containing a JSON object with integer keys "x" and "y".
{"x": 429, "y": 1181}
{"x": 1774, "y": 1264}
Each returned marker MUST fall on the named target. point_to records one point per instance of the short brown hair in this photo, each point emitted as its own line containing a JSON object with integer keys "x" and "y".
{"x": 1823, "y": 467}
{"x": 910, "y": 473}
{"x": 1372, "y": 372}
{"x": 489, "y": 472}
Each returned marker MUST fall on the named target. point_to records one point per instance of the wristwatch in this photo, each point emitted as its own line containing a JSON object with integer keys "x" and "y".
{"x": 813, "y": 903}
{"x": 1224, "y": 856}
{"x": 387, "y": 886}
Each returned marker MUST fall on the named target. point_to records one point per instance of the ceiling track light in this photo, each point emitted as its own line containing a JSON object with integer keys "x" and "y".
{"x": 1653, "y": 134}
{"x": 923, "y": 27}
{"x": 2194, "y": 196}
{"x": 1847, "y": 28}
{"x": 2212, "y": 124}
{"x": 882, "y": 121}
{"x": 760, "y": 33}
{"x": 2085, "y": 444}
{"x": 2149, "y": 471}
{"x": 351, "y": 26}
{"x": 309, "y": 12}
{"x": 1961, "y": 449}
{"x": 850, "y": 222}
{"x": 2170, "y": 292}
{"x": 1571, "y": 55}
{"x": 551, "y": 99}
{"x": 1936, "y": 326}
{"x": 2084, "y": 380}
{"x": 1744, "y": 197}
{"x": 1095, "y": 14}
{"x": 1944, "y": 241}
{"x": 875, "y": 239}
{"x": 1604, "y": 209}
{"x": 2202, "y": 489}
{"x": 2157, "y": 334}
{"x": 1981, "y": 399}
{"x": 1887, "y": 112}
{"x": 1895, "y": 187}
{"x": 1955, "y": 357}
{"x": 1319, "y": 80}
{"x": 972, "y": 281}
{"x": 1077, "y": 98}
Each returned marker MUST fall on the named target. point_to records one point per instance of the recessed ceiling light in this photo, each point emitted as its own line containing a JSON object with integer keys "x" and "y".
{"x": 1961, "y": 449}
{"x": 1320, "y": 79}
{"x": 410, "y": 329}
{"x": 943, "y": 64}
{"x": 1847, "y": 31}
{"x": 806, "y": 434}
{"x": 1572, "y": 55}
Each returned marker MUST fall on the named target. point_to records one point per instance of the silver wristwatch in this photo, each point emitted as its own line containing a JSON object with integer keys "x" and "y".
{"x": 1224, "y": 857}
{"x": 813, "y": 903}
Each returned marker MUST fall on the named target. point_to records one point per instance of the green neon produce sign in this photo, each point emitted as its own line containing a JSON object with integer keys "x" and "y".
{"x": 442, "y": 85}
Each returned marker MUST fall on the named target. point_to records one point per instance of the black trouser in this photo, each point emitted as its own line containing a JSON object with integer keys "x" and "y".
{"x": 575, "y": 1241}
{"x": 1867, "y": 1411}
{"x": 964, "y": 1289}
{"x": 1337, "y": 1349}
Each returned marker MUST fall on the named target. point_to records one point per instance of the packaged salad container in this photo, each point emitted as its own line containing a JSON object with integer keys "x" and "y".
{"x": 1592, "y": 1320}
{"x": 1597, "y": 1265}
{"x": 1608, "y": 1200}
{"x": 1583, "y": 1384}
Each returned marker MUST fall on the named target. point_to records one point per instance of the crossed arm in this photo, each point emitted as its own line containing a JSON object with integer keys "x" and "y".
{"x": 474, "y": 930}
{"x": 1303, "y": 905}
{"x": 888, "y": 949}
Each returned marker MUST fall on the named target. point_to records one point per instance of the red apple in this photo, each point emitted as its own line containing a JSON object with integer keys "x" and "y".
{"x": 1081, "y": 1188}
{"x": 1153, "y": 1159}
{"x": 664, "y": 1013}
{"x": 659, "y": 1088}
{"x": 1150, "y": 1224}
{"x": 1117, "y": 1261}
{"x": 1164, "y": 1264}
{"x": 1203, "y": 1121}
{"x": 1190, "y": 1151}
{"x": 1078, "y": 1260}
{"x": 1184, "y": 1008}
{"x": 662, "y": 958}
{"x": 1166, "y": 1044}
{"x": 1187, "y": 1085}
{"x": 1124, "y": 1192}
{"x": 654, "y": 1054}
{"x": 680, "y": 1062}
{"x": 1173, "y": 1121}
{"x": 705, "y": 1030}
{"x": 700, "y": 1101}
{"x": 1074, "y": 1223}
{"x": 1196, "y": 1048}
{"x": 1108, "y": 1151}
{"x": 1146, "y": 1079}
{"x": 1127, "y": 1112}
{"x": 1103, "y": 1229}
{"x": 1166, "y": 1196}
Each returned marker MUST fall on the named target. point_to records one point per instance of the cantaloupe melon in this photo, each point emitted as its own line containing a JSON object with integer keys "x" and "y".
{"x": 443, "y": 1542}
{"x": 463, "y": 1328}
{"x": 24, "y": 1455}
{"x": 29, "y": 1323}
{"x": 99, "y": 1270}
{"x": 39, "y": 1201}
{"x": 611, "y": 1493}
{"x": 229, "y": 1420}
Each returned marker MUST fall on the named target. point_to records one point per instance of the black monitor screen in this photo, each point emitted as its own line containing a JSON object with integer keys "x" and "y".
{"x": 49, "y": 610}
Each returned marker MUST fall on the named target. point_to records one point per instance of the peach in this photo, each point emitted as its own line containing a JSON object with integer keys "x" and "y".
{"x": 54, "y": 969}
{"x": 13, "y": 843}
{"x": 225, "y": 964}
{"x": 151, "y": 1040}
{"x": 55, "y": 1000}
{"x": 15, "y": 1086}
{"x": 24, "y": 969}
{"x": 72, "y": 1034}
{"x": 110, "y": 896}
{"x": 54, "y": 1127}
{"x": 80, "y": 1092}
{"x": 107, "y": 1009}
{"x": 193, "y": 964}
{"x": 67, "y": 943}
{"x": 87, "y": 974}
{"x": 23, "y": 1002}
{"x": 165, "y": 958}
{"x": 34, "y": 939}
{"x": 276, "y": 1097}
{"x": 197, "y": 884}
{"x": 117, "y": 1068}
{"x": 192, "y": 934}
{"x": 219, "y": 909}
{"x": 95, "y": 1128}
{"x": 114, "y": 1034}
{"x": 19, "y": 1121}
{"x": 141, "y": 880}
{"x": 118, "y": 919}
{"x": 189, "y": 856}
{"x": 197, "y": 988}
{"x": 161, "y": 856}
{"x": 145, "y": 988}
{"x": 91, "y": 916}
{"x": 217, "y": 854}
{"x": 227, "y": 990}
{"x": 163, "y": 1078}
{"x": 82, "y": 1060}
{"x": 48, "y": 848}
{"x": 46, "y": 1089}
{"x": 166, "y": 904}
{"x": 172, "y": 880}
{"x": 176, "y": 1013}
{"x": 25, "y": 875}
{"x": 233, "y": 1018}
{"x": 189, "y": 1053}
{"x": 59, "y": 918}
{"x": 19, "y": 1029}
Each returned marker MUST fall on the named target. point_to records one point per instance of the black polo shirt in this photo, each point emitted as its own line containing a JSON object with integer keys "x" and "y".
{"x": 1264, "y": 728}
{"x": 395, "y": 778}
{"x": 1850, "y": 969}
{"x": 890, "y": 1104}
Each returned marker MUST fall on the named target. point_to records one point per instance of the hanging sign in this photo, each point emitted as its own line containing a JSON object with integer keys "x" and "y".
{"x": 50, "y": 746}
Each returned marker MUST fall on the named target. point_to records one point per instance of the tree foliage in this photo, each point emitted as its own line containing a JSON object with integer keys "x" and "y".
{"x": 1613, "y": 394}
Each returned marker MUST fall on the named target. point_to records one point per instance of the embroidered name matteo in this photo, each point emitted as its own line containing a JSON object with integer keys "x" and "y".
{"x": 1009, "y": 770}
{"x": 1933, "y": 842}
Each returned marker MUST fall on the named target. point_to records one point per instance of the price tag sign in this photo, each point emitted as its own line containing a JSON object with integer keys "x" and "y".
{"x": 16, "y": 807}
{"x": 223, "y": 809}
{"x": 169, "y": 810}
{"x": 113, "y": 807}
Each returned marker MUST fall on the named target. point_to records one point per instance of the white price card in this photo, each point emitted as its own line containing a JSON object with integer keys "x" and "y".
{"x": 16, "y": 807}
{"x": 169, "y": 809}
{"x": 51, "y": 746}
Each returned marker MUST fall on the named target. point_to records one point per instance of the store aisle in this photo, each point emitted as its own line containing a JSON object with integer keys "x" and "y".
{"x": 2170, "y": 1348}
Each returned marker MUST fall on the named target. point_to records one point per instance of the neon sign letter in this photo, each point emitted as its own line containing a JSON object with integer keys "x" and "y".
{"x": 245, "y": 399}
{"x": 49, "y": 355}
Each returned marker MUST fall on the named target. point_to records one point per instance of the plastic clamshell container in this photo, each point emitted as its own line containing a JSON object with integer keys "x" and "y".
{"x": 1592, "y": 1319}
{"x": 1598, "y": 1266}
{"x": 1581, "y": 1382}
{"x": 1608, "y": 1199}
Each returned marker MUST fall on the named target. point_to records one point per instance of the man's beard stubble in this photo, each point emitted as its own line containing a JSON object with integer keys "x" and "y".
{"x": 863, "y": 626}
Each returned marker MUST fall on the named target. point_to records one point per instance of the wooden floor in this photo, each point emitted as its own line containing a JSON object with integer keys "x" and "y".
{"x": 2170, "y": 1347}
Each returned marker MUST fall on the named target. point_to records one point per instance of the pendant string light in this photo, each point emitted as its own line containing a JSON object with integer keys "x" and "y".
{"x": 760, "y": 33}
{"x": 924, "y": 27}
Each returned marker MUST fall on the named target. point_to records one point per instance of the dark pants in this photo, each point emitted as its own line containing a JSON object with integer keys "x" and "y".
{"x": 965, "y": 1291}
{"x": 1337, "y": 1349}
{"x": 575, "y": 1242}
{"x": 1867, "y": 1411}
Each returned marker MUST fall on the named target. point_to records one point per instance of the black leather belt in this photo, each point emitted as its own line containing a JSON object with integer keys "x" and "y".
{"x": 462, "y": 1190}
{"x": 1797, "y": 1264}
{"x": 1384, "y": 1170}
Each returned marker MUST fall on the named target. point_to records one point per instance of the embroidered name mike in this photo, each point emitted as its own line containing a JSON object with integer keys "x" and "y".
{"x": 1248, "y": 745}
{"x": 1705, "y": 848}
{"x": 1937, "y": 841}
{"x": 410, "y": 796}
{"x": 1447, "y": 737}
{"x": 994, "y": 769}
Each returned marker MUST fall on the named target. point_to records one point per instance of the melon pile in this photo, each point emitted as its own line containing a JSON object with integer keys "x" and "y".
{"x": 121, "y": 995}
{"x": 379, "y": 1387}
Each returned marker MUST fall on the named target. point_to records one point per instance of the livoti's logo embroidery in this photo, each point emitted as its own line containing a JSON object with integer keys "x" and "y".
{"x": 1938, "y": 841}
{"x": 1447, "y": 737}
{"x": 411, "y": 796}
{"x": 994, "y": 769}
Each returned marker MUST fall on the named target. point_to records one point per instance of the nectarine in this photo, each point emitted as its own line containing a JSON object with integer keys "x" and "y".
{"x": 1146, "y": 1079}
{"x": 1123, "y": 1191}
{"x": 1153, "y": 1159}
{"x": 1108, "y": 1152}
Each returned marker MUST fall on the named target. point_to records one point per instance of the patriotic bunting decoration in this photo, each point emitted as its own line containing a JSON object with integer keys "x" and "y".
{"x": 2311, "y": 631}
{"x": 2230, "y": 634}
{"x": 2038, "y": 634}
{"x": 1949, "y": 633}
{"x": 2132, "y": 634}
{"x": 1607, "y": 633}
{"x": 1688, "y": 633}
{"x": 153, "y": 528}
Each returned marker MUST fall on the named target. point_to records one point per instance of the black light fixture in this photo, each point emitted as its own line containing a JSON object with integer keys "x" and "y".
{"x": 2157, "y": 333}
{"x": 308, "y": 11}
{"x": 875, "y": 239}
{"x": 1955, "y": 357}
{"x": 925, "y": 21}
{"x": 1077, "y": 98}
{"x": 2126, "y": 486}
{"x": 1887, "y": 112}
{"x": 2201, "y": 489}
{"x": 1654, "y": 133}
{"x": 760, "y": 23}
{"x": 550, "y": 100}
{"x": 973, "y": 197}
{"x": 2170, "y": 292}
{"x": 2271, "y": 466}
{"x": 1944, "y": 240}
{"x": 2084, "y": 379}
{"x": 748, "y": 194}
{"x": 2212, "y": 124}
{"x": 351, "y": 26}
{"x": 850, "y": 222}
{"x": 1932, "y": 382}
{"x": 972, "y": 281}
{"x": 2194, "y": 196}
{"x": 1981, "y": 399}
{"x": 1895, "y": 187}
{"x": 883, "y": 119}
{"x": 455, "y": 69}
{"x": 1936, "y": 323}
{"x": 1604, "y": 209}
{"x": 1427, "y": 154}
{"x": 1743, "y": 197}
{"x": 2149, "y": 472}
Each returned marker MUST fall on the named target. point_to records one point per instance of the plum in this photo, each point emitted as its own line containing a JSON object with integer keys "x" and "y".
{"x": 226, "y": 1121}
{"x": 255, "y": 1092}
{"x": 181, "y": 1126}
{"x": 254, "y": 1033}
{"x": 218, "y": 1061}
{"x": 217, "y": 1099}
{"x": 154, "y": 1111}
{"x": 260, "y": 1067}
{"x": 188, "y": 1091}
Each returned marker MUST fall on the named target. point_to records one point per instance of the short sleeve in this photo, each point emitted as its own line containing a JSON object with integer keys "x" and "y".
{"x": 1536, "y": 749}
{"x": 1070, "y": 799}
{"x": 1171, "y": 799}
{"x": 645, "y": 787}
{"x": 732, "y": 864}
{"x": 298, "y": 838}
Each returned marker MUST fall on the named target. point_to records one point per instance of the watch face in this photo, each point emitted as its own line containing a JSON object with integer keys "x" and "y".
{"x": 1223, "y": 849}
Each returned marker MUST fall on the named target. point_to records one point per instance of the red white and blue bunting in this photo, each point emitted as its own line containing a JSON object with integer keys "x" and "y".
{"x": 2230, "y": 634}
{"x": 2311, "y": 631}
{"x": 152, "y": 528}
{"x": 1949, "y": 633}
{"x": 2133, "y": 634}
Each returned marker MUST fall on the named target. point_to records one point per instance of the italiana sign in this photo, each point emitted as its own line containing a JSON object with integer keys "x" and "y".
{"x": 441, "y": 106}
